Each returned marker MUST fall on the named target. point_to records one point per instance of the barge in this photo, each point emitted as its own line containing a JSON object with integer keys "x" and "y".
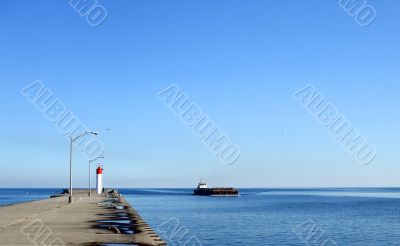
{"x": 203, "y": 190}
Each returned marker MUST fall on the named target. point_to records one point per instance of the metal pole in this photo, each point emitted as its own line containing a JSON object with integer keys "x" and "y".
{"x": 70, "y": 162}
{"x": 90, "y": 162}
{"x": 70, "y": 172}
{"x": 90, "y": 191}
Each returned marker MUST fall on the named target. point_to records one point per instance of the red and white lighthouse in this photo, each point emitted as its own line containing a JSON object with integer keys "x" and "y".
{"x": 99, "y": 180}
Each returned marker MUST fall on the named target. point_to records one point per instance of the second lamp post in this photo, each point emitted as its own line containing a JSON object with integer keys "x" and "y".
{"x": 90, "y": 162}
{"x": 70, "y": 161}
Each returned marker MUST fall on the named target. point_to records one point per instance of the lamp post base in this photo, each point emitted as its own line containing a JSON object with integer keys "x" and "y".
{"x": 70, "y": 199}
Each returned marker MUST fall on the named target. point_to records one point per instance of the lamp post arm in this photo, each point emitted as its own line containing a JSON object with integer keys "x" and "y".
{"x": 100, "y": 157}
{"x": 80, "y": 136}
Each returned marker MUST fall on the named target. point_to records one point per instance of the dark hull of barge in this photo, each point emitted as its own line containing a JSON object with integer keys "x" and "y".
{"x": 216, "y": 192}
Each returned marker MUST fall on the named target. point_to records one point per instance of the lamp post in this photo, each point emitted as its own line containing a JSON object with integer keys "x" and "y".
{"x": 90, "y": 161}
{"x": 70, "y": 161}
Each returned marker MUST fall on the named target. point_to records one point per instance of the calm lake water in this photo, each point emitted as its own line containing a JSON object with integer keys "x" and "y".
{"x": 261, "y": 216}
{"x": 273, "y": 217}
{"x": 12, "y": 196}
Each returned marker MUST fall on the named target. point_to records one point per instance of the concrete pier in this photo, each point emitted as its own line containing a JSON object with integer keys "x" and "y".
{"x": 95, "y": 220}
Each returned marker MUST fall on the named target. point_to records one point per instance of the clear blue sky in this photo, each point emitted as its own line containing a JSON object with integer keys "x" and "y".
{"x": 240, "y": 61}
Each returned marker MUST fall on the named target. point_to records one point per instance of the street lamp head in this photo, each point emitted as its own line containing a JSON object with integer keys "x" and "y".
{"x": 95, "y": 133}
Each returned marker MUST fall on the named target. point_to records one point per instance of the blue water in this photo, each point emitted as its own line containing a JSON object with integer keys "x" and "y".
{"x": 261, "y": 216}
{"x": 273, "y": 216}
{"x": 12, "y": 196}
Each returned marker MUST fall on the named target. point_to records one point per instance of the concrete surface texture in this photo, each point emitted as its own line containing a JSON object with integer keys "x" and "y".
{"x": 95, "y": 220}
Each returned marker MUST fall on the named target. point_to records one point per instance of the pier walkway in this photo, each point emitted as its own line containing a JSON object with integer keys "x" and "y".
{"x": 95, "y": 220}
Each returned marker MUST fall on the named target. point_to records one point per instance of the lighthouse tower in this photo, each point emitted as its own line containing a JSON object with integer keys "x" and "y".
{"x": 99, "y": 180}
